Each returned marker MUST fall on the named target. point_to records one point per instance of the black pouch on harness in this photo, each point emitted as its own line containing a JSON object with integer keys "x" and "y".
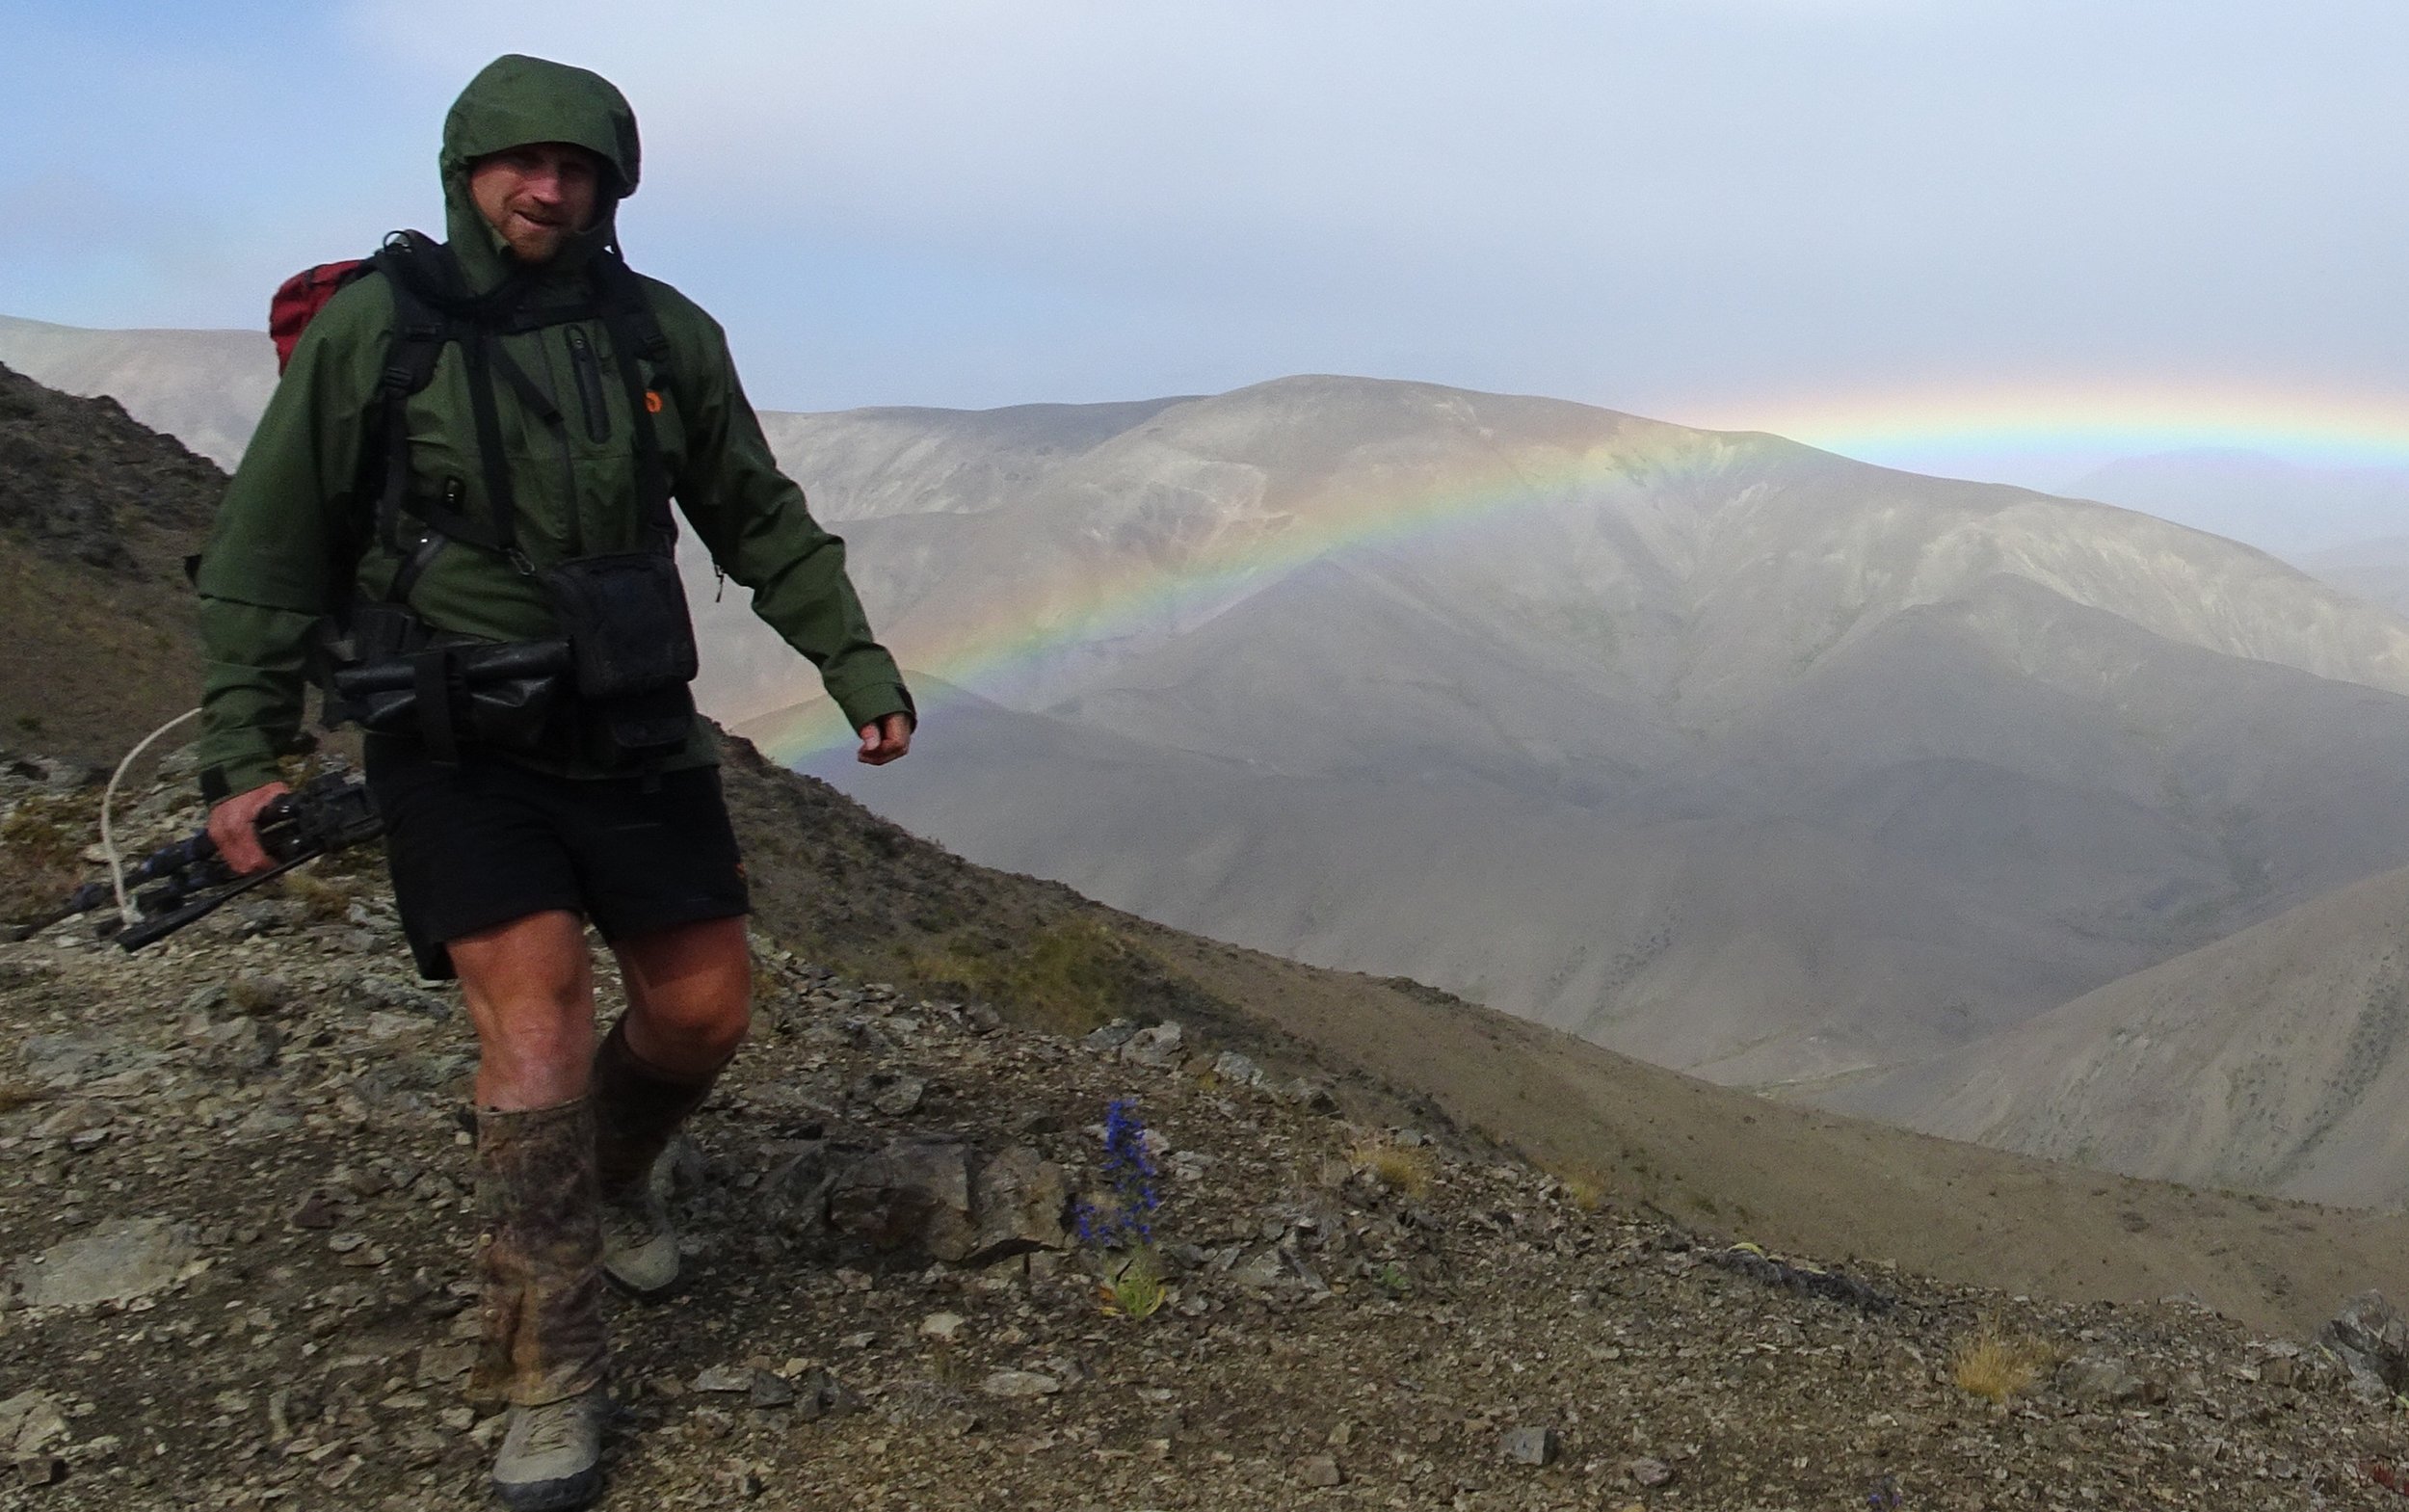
{"x": 631, "y": 643}
{"x": 504, "y": 697}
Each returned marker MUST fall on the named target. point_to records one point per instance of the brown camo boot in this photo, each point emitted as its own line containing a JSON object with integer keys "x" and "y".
{"x": 637, "y": 1107}
{"x": 545, "y": 1351}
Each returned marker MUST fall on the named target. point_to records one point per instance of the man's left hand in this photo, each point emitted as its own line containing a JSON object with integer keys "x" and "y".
{"x": 885, "y": 741}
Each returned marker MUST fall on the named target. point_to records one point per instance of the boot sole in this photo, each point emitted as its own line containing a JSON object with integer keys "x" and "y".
{"x": 635, "y": 1293}
{"x": 563, "y": 1495}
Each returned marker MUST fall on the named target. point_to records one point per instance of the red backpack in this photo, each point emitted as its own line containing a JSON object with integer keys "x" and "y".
{"x": 299, "y": 298}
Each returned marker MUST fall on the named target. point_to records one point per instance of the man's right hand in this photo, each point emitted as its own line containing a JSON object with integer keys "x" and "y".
{"x": 234, "y": 825}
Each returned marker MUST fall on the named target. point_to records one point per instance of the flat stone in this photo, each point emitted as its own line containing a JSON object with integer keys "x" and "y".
{"x": 725, "y": 1378}
{"x": 1020, "y": 1385}
{"x": 942, "y": 1326}
{"x": 770, "y": 1390}
{"x": 115, "y": 1262}
{"x": 39, "y": 1470}
{"x": 1649, "y": 1473}
{"x": 1320, "y": 1469}
{"x": 1528, "y": 1446}
{"x": 30, "y": 1421}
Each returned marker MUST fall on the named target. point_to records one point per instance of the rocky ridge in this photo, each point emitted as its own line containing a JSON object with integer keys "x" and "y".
{"x": 235, "y": 1187}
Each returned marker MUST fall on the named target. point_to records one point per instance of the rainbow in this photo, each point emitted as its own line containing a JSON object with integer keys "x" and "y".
{"x": 2110, "y": 419}
{"x": 985, "y": 646}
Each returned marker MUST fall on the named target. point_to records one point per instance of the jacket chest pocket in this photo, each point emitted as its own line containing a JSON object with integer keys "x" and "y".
{"x": 585, "y": 372}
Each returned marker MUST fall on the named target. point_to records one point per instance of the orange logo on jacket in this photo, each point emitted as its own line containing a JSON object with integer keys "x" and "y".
{"x": 651, "y": 402}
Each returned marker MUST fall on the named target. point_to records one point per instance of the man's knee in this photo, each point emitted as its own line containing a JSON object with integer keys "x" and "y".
{"x": 689, "y": 992}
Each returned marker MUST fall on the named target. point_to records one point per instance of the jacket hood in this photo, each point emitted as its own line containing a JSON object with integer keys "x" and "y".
{"x": 516, "y": 100}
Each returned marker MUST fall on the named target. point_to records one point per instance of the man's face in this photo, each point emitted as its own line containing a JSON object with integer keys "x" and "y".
{"x": 538, "y": 196}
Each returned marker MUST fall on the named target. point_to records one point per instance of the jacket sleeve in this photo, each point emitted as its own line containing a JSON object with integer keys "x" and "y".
{"x": 754, "y": 519}
{"x": 286, "y": 539}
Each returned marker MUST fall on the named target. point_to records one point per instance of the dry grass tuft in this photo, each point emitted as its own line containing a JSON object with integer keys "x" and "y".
{"x": 326, "y": 901}
{"x": 1585, "y": 1190}
{"x": 1996, "y": 1365}
{"x": 1400, "y": 1168}
{"x": 14, "y": 1095}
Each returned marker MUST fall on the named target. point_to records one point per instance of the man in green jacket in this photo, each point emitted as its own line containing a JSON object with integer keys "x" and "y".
{"x": 502, "y": 853}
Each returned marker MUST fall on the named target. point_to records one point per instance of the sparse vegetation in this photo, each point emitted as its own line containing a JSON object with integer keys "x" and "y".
{"x": 325, "y": 900}
{"x": 1584, "y": 1189}
{"x": 1074, "y": 975}
{"x": 1405, "y": 1169}
{"x": 1996, "y": 1365}
{"x": 42, "y": 861}
{"x": 1136, "y": 1290}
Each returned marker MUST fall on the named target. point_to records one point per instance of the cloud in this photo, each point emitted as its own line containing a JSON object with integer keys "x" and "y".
{"x": 1665, "y": 204}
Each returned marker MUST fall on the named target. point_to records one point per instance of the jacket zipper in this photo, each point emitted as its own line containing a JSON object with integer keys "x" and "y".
{"x": 589, "y": 375}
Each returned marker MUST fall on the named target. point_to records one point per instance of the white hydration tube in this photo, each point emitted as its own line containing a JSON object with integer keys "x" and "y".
{"x": 108, "y": 840}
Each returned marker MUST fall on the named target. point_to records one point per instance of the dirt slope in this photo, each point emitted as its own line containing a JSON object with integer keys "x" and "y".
{"x": 96, "y": 514}
{"x": 236, "y": 1233}
{"x": 862, "y": 893}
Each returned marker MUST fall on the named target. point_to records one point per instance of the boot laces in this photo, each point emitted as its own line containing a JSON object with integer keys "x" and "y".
{"x": 556, "y": 1425}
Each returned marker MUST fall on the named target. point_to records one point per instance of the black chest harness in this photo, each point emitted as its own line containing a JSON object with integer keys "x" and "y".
{"x": 614, "y": 684}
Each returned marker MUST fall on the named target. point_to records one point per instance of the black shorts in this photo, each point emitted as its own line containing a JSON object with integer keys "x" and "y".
{"x": 486, "y": 841}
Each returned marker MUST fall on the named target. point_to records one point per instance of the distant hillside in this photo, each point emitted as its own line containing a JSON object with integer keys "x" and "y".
{"x": 2376, "y": 571}
{"x": 1717, "y": 750}
{"x": 2274, "y": 1061}
{"x": 205, "y": 387}
{"x": 2284, "y": 507}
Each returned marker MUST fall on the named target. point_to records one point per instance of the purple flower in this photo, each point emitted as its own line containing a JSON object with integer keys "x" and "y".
{"x": 1129, "y": 1172}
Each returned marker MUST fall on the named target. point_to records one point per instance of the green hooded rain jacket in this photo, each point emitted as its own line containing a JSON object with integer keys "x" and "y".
{"x": 293, "y": 534}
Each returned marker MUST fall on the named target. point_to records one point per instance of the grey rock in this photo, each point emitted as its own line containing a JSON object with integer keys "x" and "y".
{"x": 820, "y": 1394}
{"x": 913, "y": 1194}
{"x": 39, "y": 1470}
{"x": 1312, "y": 1096}
{"x": 2373, "y": 1339}
{"x": 900, "y": 1097}
{"x": 2101, "y": 1379}
{"x": 1231, "y": 1067}
{"x": 113, "y": 1264}
{"x": 1019, "y": 1204}
{"x": 367, "y": 989}
{"x": 1649, "y": 1473}
{"x": 1111, "y": 1037}
{"x": 1020, "y": 1385}
{"x": 30, "y": 1421}
{"x": 1157, "y": 1047}
{"x": 1320, "y": 1469}
{"x": 947, "y": 1201}
{"x": 1528, "y": 1445}
{"x": 725, "y": 1378}
{"x": 770, "y": 1390}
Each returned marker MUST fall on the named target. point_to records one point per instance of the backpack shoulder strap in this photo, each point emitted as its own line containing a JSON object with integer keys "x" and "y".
{"x": 431, "y": 310}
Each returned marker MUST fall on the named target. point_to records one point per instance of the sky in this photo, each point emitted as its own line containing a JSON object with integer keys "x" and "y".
{"x": 2001, "y": 238}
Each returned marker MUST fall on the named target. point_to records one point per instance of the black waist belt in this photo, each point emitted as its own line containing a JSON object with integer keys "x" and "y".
{"x": 503, "y": 695}
{"x": 474, "y": 665}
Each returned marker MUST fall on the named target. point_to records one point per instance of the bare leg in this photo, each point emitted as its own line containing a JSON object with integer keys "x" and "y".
{"x": 529, "y": 985}
{"x": 689, "y": 996}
